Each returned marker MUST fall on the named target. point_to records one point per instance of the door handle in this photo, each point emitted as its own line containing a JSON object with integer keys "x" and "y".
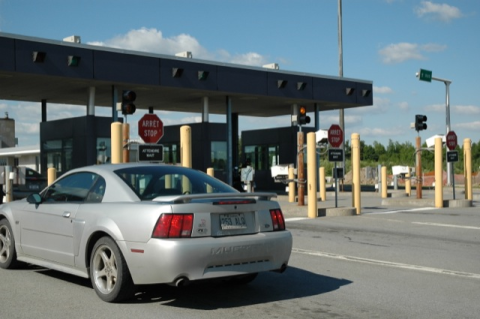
{"x": 66, "y": 214}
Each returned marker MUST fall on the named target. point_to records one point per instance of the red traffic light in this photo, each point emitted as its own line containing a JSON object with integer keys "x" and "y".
{"x": 128, "y": 97}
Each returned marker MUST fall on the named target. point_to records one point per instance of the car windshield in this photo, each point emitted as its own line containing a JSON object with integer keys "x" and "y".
{"x": 149, "y": 182}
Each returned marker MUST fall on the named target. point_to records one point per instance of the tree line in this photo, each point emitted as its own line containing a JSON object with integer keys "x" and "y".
{"x": 403, "y": 154}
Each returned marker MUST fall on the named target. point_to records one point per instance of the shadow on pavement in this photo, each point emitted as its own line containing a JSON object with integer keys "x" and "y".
{"x": 267, "y": 287}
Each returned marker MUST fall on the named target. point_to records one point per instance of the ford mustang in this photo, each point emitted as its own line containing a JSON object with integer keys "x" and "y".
{"x": 123, "y": 225}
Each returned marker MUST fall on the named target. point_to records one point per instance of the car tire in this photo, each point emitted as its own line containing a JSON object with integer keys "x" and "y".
{"x": 109, "y": 272}
{"x": 8, "y": 254}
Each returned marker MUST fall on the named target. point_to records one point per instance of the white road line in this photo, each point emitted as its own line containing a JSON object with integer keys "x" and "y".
{"x": 387, "y": 263}
{"x": 447, "y": 225}
{"x": 294, "y": 219}
{"x": 402, "y": 211}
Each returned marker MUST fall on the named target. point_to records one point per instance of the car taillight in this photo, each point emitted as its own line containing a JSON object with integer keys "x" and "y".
{"x": 277, "y": 219}
{"x": 173, "y": 226}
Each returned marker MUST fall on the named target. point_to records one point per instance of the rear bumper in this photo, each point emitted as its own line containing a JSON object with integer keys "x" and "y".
{"x": 166, "y": 260}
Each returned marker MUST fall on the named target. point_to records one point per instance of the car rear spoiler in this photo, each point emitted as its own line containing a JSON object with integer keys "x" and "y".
{"x": 187, "y": 198}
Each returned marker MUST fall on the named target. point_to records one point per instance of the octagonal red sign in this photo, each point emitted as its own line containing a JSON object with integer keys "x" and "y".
{"x": 150, "y": 128}
{"x": 335, "y": 135}
{"x": 451, "y": 140}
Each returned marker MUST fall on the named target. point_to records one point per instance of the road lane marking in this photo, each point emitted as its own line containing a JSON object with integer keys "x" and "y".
{"x": 401, "y": 211}
{"x": 294, "y": 219}
{"x": 387, "y": 263}
{"x": 446, "y": 225}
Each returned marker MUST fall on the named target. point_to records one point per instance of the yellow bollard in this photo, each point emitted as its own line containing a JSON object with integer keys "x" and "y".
{"x": 356, "y": 187}
{"x": 210, "y": 172}
{"x": 438, "y": 173}
{"x": 168, "y": 182}
{"x": 312, "y": 175}
{"x": 323, "y": 188}
{"x": 467, "y": 161}
{"x": 291, "y": 185}
{"x": 51, "y": 175}
{"x": 116, "y": 136}
{"x": 186, "y": 146}
{"x": 408, "y": 184}
{"x": 125, "y": 146}
{"x": 186, "y": 154}
{"x": 384, "y": 182}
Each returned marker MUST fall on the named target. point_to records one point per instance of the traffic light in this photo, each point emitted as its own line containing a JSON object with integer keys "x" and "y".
{"x": 128, "y": 97}
{"x": 302, "y": 116}
{"x": 420, "y": 122}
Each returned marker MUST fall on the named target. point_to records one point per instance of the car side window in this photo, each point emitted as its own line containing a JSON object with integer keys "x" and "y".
{"x": 71, "y": 188}
{"x": 96, "y": 193}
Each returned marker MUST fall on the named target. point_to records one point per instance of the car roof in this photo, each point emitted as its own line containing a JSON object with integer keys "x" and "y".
{"x": 114, "y": 167}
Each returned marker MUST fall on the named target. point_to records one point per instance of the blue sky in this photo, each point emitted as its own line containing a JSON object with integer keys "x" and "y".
{"x": 384, "y": 41}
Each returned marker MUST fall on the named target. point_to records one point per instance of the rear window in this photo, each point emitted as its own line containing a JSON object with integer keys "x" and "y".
{"x": 149, "y": 182}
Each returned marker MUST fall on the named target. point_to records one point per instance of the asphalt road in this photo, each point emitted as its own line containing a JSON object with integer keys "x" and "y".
{"x": 389, "y": 262}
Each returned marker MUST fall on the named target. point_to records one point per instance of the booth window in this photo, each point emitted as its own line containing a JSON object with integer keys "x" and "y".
{"x": 262, "y": 157}
{"x": 171, "y": 153}
{"x": 218, "y": 155}
{"x": 59, "y": 154}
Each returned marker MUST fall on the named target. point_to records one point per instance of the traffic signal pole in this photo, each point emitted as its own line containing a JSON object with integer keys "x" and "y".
{"x": 447, "y": 117}
{"x": 300, "y": 168}
{"x": 418, "y": 168}
{"x": 426, "y": 75}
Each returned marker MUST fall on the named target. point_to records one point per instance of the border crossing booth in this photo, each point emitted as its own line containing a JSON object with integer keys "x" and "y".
{"x": 269, "y": 147}
{"x": 75, "y": 142}
{"x": 209, "y": 147}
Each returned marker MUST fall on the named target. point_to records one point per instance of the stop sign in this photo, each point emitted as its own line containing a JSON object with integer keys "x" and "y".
{"x": 335, "y": 135}
{"x": 150, "y": 128}
{"x": 451, "y": 140}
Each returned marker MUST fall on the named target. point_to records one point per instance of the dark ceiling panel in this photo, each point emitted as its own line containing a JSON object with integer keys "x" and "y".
{"x": 253, "y": 91}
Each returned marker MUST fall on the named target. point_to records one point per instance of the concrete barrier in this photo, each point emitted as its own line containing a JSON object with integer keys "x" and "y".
{"x": 337, "y": 211}
{"x": 457, "y": 203}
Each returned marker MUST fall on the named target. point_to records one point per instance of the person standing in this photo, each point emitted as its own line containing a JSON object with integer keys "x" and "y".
{"x": 248, "y": 175}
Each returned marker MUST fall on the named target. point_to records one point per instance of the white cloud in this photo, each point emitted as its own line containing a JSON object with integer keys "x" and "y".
{"x": 382, "y": 90}
{"x": 400, "y": 52}
{"x": 469, "y": 126}
{"x": 442, "y": 12}
{"x": 27, "y": 128}
{"x": 432, "y": 47}
{"x": 466, "y": 109}
{"x": 382, "y": 132}
{"x": 403, "y": 106}
{"x": 380, "y": 106}
{"x": 153, "y": 41}
{"x": 435, "y": 108}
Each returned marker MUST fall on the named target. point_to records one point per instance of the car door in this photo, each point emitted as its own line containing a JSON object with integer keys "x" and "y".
{"x": 47, "y": 228}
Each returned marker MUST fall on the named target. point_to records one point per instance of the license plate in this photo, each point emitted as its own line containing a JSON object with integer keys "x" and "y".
{"x": 232, "y": 221}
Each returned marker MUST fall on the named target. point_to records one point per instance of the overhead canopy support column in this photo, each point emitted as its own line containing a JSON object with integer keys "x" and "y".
{"x": 235, "y": 158}
{"x": 317, "y": 128}
{"x": 294, "y": 111}
{"x": 205, "y": 114}
{"x": 114, "y": 104}
{"x": 44, "y": 110}
{"x": 229, "y": 141}
{"x": 91, "y": 101}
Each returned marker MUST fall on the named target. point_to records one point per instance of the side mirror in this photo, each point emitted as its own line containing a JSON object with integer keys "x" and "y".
{"x": 34, "y": 199}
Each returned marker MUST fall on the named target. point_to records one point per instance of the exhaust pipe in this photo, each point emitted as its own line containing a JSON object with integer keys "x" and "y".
{"x": 182, "y": 282}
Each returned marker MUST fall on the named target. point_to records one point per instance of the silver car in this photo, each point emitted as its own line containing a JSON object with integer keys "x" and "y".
{"x": 124, "y": 225}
